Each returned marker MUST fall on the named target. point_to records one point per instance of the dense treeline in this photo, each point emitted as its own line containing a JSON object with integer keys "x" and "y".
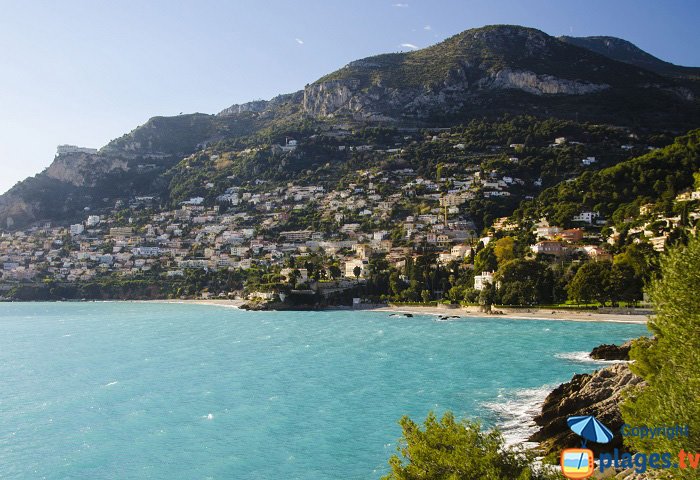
{"x": 669, "y": 362}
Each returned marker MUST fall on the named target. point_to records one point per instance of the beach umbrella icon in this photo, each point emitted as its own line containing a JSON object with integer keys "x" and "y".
{"x": 589, "y": 428}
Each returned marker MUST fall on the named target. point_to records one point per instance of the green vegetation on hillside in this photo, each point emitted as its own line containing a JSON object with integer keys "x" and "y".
{"x": 617, "y": 192}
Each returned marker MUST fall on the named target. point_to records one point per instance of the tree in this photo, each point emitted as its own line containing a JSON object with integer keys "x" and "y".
{"x": 591, "y": 282}
{"x": 395, "y": 285}
{"x": 669, "y": 365}
{"x": 641, "y": 257}
{"x": 625, "y": 285}
{"x": 439, "y": 172}
{"x": 357, "y": 271}
{"x": 487, "y": 297}
{"x": 335, "y": 272}
{"x": 525, "y": 282}
{"x": 456, "y": 450}
{"x": 425, "y": 296}
{"x": 485, "y": 260}
{"x": 504, "y": 249}
{"x": 294, "y": 276}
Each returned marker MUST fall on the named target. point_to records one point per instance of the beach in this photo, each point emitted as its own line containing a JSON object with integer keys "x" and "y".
{"x": 473, "y": 312}
{"x": 522, "y": 313}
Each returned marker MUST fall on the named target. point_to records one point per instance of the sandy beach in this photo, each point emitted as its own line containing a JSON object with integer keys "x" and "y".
{"x": 522, "y": 313}
{"x": 213, "y": 302}
{"x": 473, "y": 312}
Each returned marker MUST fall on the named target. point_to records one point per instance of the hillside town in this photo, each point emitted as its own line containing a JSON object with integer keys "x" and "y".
{"x": 396, "y": 216}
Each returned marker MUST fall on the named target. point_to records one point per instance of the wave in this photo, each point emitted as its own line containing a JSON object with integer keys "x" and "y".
{"x": 111, "y": 383}
{"x": 584, "y": 357}
{"x": 516, "y": 411}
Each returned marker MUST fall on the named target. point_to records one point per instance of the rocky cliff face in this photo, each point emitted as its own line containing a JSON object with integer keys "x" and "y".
{"x": 595, "y": 394}
{"x": 14, "y": 207}
{"x": 535, "y": 84}
{"x": 83, "y": 170}
{"x": 262, "y": 106}
{"x": 327, "y": 98}
{"x": 346, "y": 96}
{"x": 254, "y": 106}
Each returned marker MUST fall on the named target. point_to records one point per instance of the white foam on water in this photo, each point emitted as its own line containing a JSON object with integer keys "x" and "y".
{"x": 111, "y": 383}
{"x": 515, "y": 413}
{"x": 209, "y": 417}
{"x": 584, "y": 357}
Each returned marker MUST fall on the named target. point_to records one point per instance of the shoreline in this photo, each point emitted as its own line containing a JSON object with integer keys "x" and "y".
{"x": 460, "y": 312}
{"x": 532, "y": 313}
{"x": 520, "y": 314}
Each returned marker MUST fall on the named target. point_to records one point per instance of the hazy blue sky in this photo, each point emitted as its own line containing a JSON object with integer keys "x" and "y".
{"x": 84, "y": 72}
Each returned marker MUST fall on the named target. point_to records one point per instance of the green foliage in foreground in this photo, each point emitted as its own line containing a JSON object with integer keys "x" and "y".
{"x": 670, "y": 364}
{"x": 457, "y": 450}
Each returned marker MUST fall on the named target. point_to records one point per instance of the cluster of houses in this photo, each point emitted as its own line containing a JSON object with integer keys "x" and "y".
{"x": 244, "y": 226}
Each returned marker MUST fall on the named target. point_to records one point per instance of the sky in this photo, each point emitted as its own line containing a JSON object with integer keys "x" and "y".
{"x": 83, "y": 72}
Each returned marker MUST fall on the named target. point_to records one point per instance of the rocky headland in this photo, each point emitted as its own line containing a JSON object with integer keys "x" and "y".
{"x": 598, "y": 394}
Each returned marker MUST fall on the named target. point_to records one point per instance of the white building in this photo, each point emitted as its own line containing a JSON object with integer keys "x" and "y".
{"x": 77, "y": 229}
{"x": 586, "y": 217}
{"x": 288, "y": 273}
{"x": 297, "y": 235}
{"x": 194, "y": 201}
{"x": 356, "y": 262}
{"x": 93, "y": 220}
{"x": 239, "y": 251}
{"x": 480, "y": 281}
{"x": 460, "y": 251}
{"x": 546, "y": 231}
{"x": 290, "y": 146}
{"x": 64, "y": 149}
{"x": 147, "y": 251}
{"x": 485, "y": 240}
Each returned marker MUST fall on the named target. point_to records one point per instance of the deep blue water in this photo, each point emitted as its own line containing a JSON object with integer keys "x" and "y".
{"x": 166, "y": 391}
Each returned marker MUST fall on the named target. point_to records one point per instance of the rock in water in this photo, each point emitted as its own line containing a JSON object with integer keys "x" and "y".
{"x": 595, "y": 394}
{"x": 612, "y": 352}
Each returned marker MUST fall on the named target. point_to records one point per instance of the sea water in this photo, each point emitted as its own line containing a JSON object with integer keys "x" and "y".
{"x": 168, "y": 391}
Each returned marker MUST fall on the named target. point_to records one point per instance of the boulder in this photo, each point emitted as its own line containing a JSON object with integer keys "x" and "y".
{"x": 612, "y": 351}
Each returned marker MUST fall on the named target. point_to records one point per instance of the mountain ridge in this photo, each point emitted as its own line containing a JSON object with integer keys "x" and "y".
{"x": 627, "y": 52}
{"x": 480, "y": 73}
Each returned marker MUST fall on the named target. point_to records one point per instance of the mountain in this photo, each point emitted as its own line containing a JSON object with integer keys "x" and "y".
{"x": 486, "y": 72}
{"x": 495, "y": 69}
{"x": 627, "y": 52}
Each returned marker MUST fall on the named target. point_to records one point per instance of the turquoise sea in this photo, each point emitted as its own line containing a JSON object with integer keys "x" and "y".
{"x": 171, "y": 391}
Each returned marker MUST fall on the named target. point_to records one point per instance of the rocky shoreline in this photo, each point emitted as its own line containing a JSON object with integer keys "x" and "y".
{"x": 598, "y": 394}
